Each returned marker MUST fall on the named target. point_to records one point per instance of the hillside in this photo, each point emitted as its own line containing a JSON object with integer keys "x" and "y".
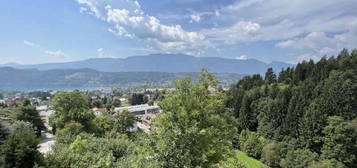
{"x": 27, "y": 79}
{"x": 164, "y": 63}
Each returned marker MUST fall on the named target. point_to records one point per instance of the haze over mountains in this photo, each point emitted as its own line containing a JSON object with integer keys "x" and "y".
{"x": 59, "y": 79}
{"x": 163, "y": 63}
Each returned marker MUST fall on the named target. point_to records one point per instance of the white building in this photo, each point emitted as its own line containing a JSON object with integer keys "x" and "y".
{"x": 144, "y": 111}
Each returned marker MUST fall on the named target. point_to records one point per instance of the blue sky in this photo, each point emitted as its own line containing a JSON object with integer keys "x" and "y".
{"x": 42, "y": 31}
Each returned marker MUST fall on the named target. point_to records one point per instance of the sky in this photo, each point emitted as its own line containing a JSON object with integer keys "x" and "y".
{"x": 41, "y": 31}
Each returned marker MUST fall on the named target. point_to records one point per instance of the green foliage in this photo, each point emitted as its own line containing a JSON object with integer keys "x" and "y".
{"x": 241, "y": 160}
{"x": 68, "y": 134}
{"x": 29, "y": 114}
{"x": 340, "y": 141}
{"x": 299, "y": 158}
{"x": 138, "y": 98}
{"x": 251, "y": 143}
{"x": 194, "y": 128}
{"x": 89, "y": 151}
{"x": 327, "y": 164}
{"x": 270, "y": 76}
{"x": 116, "y": 102}
{"x": 20, "y": 150}
{"x": 17, "y": 126}
{"x": 272, "y": 154}
{"x": 4, "y": 132}
{"x": 71, "y": 106}
{"x": 294, "y": 111}
{"x": 123, "y": 122}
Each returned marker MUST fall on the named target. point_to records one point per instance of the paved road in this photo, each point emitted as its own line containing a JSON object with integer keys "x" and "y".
{"x": 47, "y": 140}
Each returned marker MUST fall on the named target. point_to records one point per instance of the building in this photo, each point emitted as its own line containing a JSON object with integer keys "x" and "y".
{"x": 143, "y": 112}
{"x": 140, "y": 111}
{"x": 98, "y": 111}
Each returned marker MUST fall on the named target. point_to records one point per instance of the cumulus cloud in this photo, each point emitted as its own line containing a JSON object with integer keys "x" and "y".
{"x": 57, "y": 53}
{"x": 129, "y": 20}
{"x": 29, "y": 43}
{"x": 296, "y": 24}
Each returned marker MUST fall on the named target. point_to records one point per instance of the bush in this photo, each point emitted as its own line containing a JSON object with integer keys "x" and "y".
{"x": 272, "y": 154}
{"x": 327, "y": 164}
{"x": 299, "y": 158}
{"x": 69, "y": 133}
{"x": 251, "y": 143}
{"x": 89, "y": 151}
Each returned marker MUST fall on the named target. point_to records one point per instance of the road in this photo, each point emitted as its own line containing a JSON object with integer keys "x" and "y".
{"x": 47, "y": 140}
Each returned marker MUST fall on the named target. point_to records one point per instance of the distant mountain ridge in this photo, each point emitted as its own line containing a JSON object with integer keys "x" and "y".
{"x": 59, "y": 79}
{"x": 163, "y": 63}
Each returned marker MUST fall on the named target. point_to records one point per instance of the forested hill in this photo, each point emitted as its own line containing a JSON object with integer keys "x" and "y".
{"x": 303, "y": 116}
{"x": 28, "y": 79}
{"x": 163, "y": 63}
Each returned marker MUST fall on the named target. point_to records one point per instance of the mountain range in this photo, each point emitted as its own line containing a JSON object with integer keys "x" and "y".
{"x": 68, "y": 79}
{"x": 172, "y": 63}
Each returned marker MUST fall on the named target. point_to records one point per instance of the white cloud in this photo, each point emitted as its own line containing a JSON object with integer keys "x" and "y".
{"x": 195, "y": 18}
{"x": 57, "y": 53}
{"x": 129, "y": 20}
{"x": 29, "y": 43}
{"x": 285, "y": 19}
{"x": 304, "y": 23}
{"x": 101, "y": 53}
{"x": 240, "y": 32}
{"x": 92, "y": 7}
{"x": 318, "y": 44}
{"x": 242, "y": 57}
{"x": 83, "y": 10}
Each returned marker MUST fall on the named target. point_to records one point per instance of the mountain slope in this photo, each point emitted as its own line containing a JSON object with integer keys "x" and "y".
{"x": 29, "y": 79}
{"x": 165, "y": 63}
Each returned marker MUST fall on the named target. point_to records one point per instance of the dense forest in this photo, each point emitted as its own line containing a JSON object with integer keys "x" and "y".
{"x": 304, "y": 116}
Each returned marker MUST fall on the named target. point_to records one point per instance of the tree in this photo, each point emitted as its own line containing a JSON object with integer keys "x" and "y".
{"x": 251, "y": 143}
{"x": 124, "y": 121}
{"x": 116, "y": 102}
{"x": 20, "y": 150}
{"x": 29, "y": 114}
{"x": 272, "y": 154}
{"x": 69, "y": 133}
{"x": 194, "y": 129}
{"x": 340, "y": 141}
{"x": 300, "y": 158}
{"x": 138, "y": 98}
{"x": 4, "y": 132}
{"x": 97, "y": 103}
{"x": 339, "y": 93}
{"x": 71, "y": 106}
{"x": 270, "y": 76}
{"x": 311, "y": 125}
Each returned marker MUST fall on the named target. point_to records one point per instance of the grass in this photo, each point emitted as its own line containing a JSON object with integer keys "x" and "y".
{"x": 249, "y": 162}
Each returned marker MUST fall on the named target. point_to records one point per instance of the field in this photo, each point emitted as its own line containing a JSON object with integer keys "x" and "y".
{"x": 248, "y": 161}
